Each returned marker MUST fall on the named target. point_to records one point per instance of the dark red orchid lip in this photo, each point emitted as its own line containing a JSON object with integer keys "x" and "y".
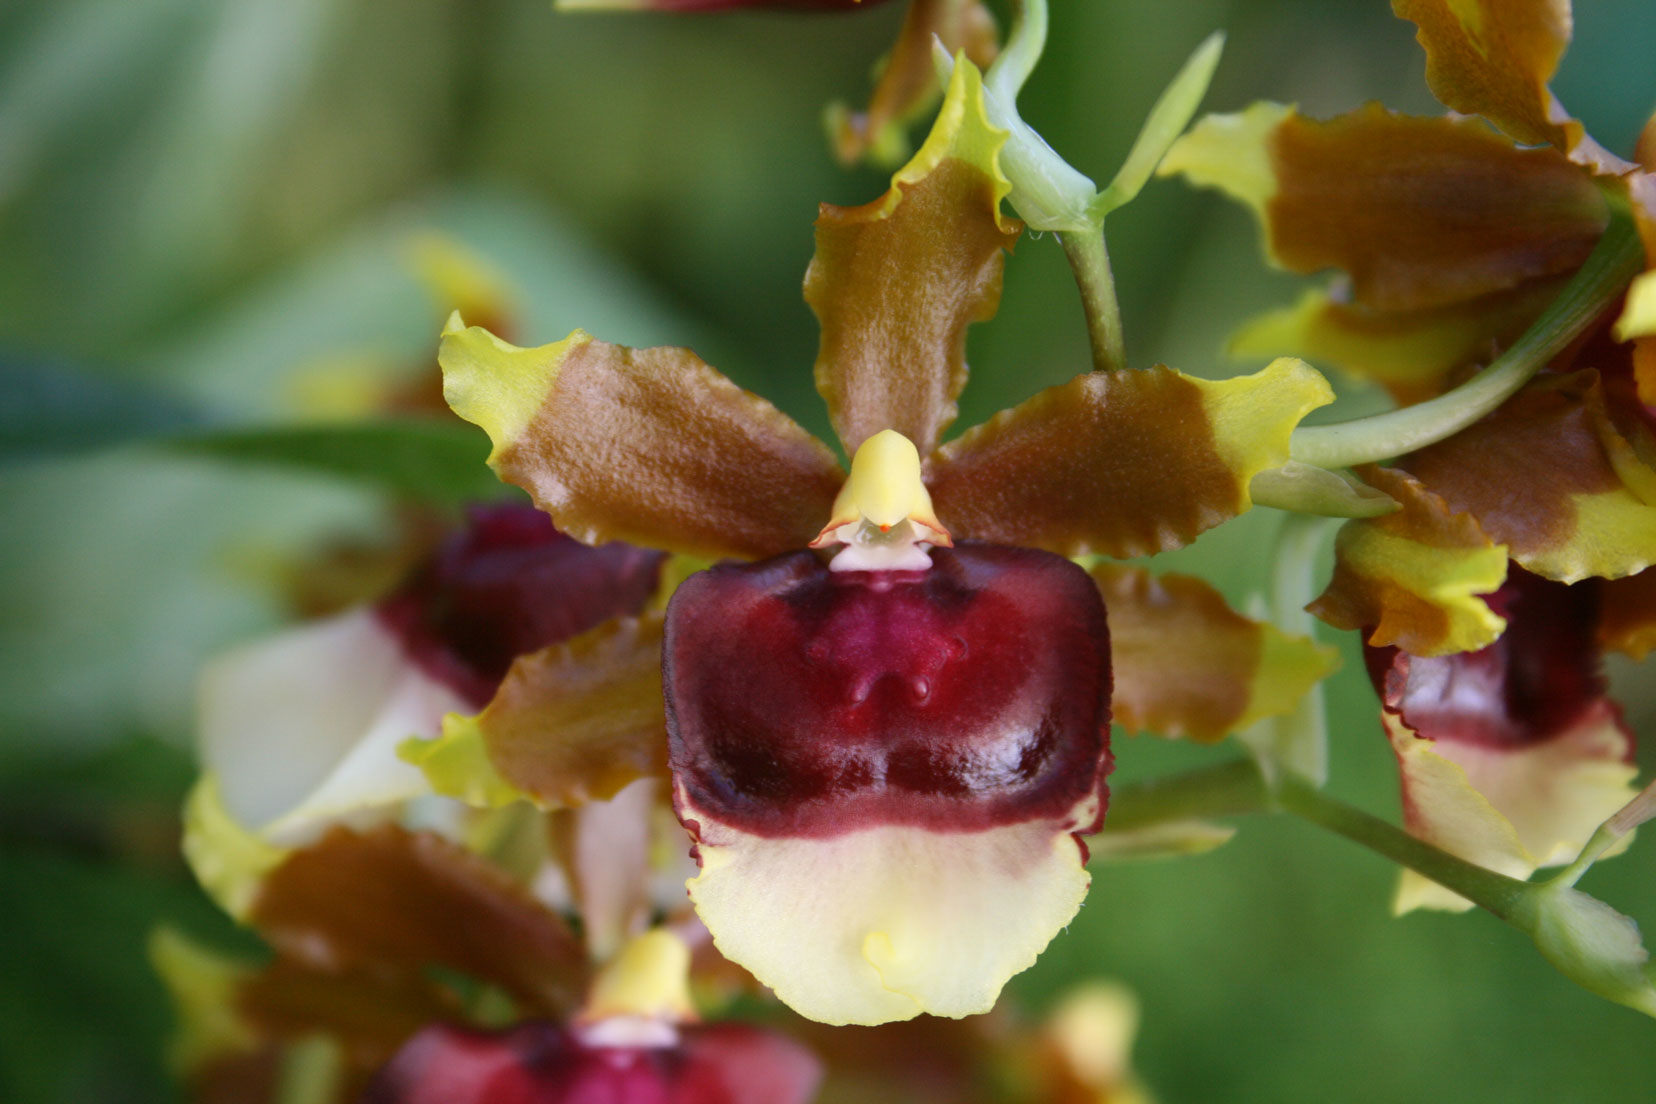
{"x": 808, "y": 702}
{"x": 1534, "y": 682}
{"x": 509, "y": 584}
{"x": 539, "y": 1062}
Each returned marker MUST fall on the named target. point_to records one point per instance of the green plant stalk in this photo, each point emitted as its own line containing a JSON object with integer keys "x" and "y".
{"x": 1024, "y": 45}
{"x": 1295, "y": 743}
{"x": 1229, "y": 789}
{"x": 1089, "y": 258}
{"x": 1498, "y": 893}
{"x": 1616, "y": 260}
{"x": 1237, "y": 787}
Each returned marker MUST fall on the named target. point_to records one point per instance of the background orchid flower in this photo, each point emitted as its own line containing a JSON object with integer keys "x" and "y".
{"x": 339, "y": 697}
{"x": 1513, "y": 754}
{"x": 874, "y": 885}
{"x": 419, "y": 968}
{"x": 1449, "y": 238}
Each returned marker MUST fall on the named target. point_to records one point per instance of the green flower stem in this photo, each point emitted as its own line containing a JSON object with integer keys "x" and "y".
{"x": 1616, "y": 260}
{"x": 1237, "y": 787}
{"x": 1229, "y": 789}
{"x": 1024, "y": 45}
{"x": 1498, "y": 893}
{"x": 1089, "y": 258}
{"x": 1589, "y": 942}
{"x": 1294, "y": 743}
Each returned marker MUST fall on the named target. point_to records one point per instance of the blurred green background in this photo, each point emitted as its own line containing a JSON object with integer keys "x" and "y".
{"x": 205, "y": 201}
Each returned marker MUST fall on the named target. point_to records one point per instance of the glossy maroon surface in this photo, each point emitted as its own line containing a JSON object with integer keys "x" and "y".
{"x": 507, "y": 584}
{"x": 806, "y": 702}
{"x": 542, "y": 1063}
{"x": 1535, "y": 681}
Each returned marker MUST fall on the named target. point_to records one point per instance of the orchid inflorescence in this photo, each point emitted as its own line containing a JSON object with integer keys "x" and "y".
{"x": 874, "y": 703}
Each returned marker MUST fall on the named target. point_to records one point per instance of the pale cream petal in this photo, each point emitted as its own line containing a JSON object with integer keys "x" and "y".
{"x": 885, "y": 923}
{"x": 303, "y": 728}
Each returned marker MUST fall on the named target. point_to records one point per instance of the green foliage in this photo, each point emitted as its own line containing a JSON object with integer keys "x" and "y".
{"x": 424, "y": 459}
{"x": 49, "y": 412}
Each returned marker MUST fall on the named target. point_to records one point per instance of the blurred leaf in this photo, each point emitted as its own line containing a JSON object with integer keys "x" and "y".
{"x": 83, "y": 1016}
{"x": 49, "y": 410}
{"x": 54, "y": 96}
{"x": 142, "y": 769}
{"x": 426, "y": 458}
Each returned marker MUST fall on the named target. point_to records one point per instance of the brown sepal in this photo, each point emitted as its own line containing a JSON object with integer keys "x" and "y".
{"x": 1627, "y": 617}
{"x": 1543, "y": 442}
{"x": 1184, "y": 660}
{"x": 578, "y": 721}
{"x": 371, "y": 1012}
{"x": 239, "y": 1077}
{"x": 395, "y": 903}
{"x": 1391, "y": 611}
{"x": 1121, "y": 464}
{"x": 1494, "y": 58}
{"x": 908, "y": 79}
{"x": 894, "y": 284}
{"x": 654, "y": 447}
{"x": 1423, "y": 212}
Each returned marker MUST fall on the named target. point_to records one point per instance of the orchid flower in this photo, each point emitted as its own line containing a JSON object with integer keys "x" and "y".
{"x": 885, "y": 762}
{"x": 358, "y": 921}
{"x": 1451, "y": 238}
{"x": 340, "y": 695}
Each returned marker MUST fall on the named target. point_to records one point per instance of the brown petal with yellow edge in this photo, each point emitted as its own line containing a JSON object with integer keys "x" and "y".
{"x": 646, "y": 445}
{"x": 1415, "y": 578}
{"x": 370, "y": 1012}
{"x": 242, "y": 1077}
{"x": 1414, "y": 354}
{"x": 398, "y": 903}
{"x": 895, "y": 283}
{"x": 578, "y": 721}
{"x": 1126, "y": 463}
{"x": 1494, "y": 58}
{"x": 1425, "y": 211}
{"x": 1422, "y": 212}
{"x": 1575, "y": 517}
{"x": 1639, "y": 320}
{"x": 908, "y": 77}
{"x": 1187, "y": 665}
{"x": 1627, "y": 619}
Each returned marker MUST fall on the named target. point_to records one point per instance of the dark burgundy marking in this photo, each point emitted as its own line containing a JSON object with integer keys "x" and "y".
{"x": 508, "y": 584}
{"x": 1533, "y": 683}
{"x": 807, "y": 702}
{"x": 543, "y": 1063}
{"x": 1614, "y": 360}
